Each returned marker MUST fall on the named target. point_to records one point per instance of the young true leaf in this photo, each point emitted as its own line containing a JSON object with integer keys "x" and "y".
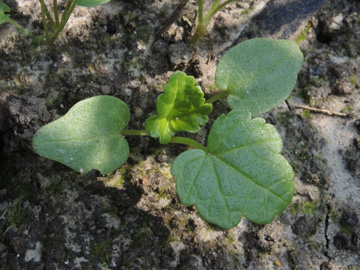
{"x": 242, "y": 173}
{"x": 88, "y": 136}
{"x": 90, "y": 3}
{"x": 4, "y": 8}
{"x": 259, "y": 73}
{"x": 180, "y": 108}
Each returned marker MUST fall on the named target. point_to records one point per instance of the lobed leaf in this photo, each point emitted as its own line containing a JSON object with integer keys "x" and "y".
{"x": 4, "y": 8}
{"x": 259, "y": 73}
{"x": 91, "y": 3}
{"x": 242, "y": 174}
{"x": 88, "y": 136}
{"x": 181, "y": 107}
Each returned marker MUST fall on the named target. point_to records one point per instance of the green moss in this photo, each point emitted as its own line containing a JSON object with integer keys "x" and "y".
{"x": 165, "y": 171}
{"x": 99, "y": 251}
{"x": 139, "y": 169}
{"x": 117, "y": 180}
{"x": 139, "y": 236}
{"x": 302, "y": 36}
{"x": 334, "y": 216}
{"x": 125, "y": 174}
{"x": 162, "y": 192}
{"x": 53, "y": 188}
{"x": 247, "y": 11}
{"x": 18, "y": 214}
{"x": 230, "y": 237}
{"x": 347, "y": 109}
{"x": 354, "y": 80}
{"x": 110, "y": 209}
{"x": 142, "y": 33}
{"x": 315, "y": 245}
{"x": 306, "y": 114}
{"x": 283, "y": 117}
{"x": 184, "y": 221}
{"x": 308, "y": 208}
{"x": 314, "y": 102}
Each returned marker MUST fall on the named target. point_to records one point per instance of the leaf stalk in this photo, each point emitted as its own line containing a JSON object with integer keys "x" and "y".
{"x": 188, "y": 141}
{"x": 203, "y": 22}
{"x": 218, "y": 96}
{"x": 175, "y": 139}
{"x": 133, "y": 132}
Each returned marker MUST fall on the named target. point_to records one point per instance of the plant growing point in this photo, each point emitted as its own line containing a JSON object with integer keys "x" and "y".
{"x": 181, "y": 108}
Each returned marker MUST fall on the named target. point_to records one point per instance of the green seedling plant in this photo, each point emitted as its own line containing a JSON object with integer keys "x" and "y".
{"x": 52, "y": 20}
{"x": 5, "y": 17}
{"x": 204, "y": 20}
{"x": 240, "y": 172}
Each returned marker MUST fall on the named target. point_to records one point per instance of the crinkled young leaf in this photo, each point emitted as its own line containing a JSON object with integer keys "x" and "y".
{"x": 181, "y": 107}
{"x": 242, "y": 174}
{"x": 259, "y": 73}
{"x": 88, "y": 136}
{"x": 90, "y": 3}
{"x": 4, "y": 8}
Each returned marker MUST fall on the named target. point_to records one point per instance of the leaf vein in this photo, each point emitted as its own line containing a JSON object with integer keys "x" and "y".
{"x": 252, "y": 181}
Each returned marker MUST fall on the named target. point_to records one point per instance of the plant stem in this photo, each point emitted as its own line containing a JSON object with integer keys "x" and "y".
{"x": 200, "y": 11}
{"x": 201, "y": 29}
{"x": 56, "y": 13}
{"x": 218, "y": 96}
{"x": 69, "y": 8}
{"x": 46, "y": 30}
{"x": 66, "y": 13}
{"x": 47, "y": 13}
{"x": 18, "y": 26}
{"x": 188, "y": 141}
{"x": 133, "y": 132}
{"x": 215, "y": 8}
{"x": 181, "y": 140}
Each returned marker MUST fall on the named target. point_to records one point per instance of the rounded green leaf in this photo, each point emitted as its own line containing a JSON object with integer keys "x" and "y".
{"x": 91, "y": 3}
{"x": 241, "y": 174}
{"x": 88, "y": 136}
{"x": 259, "y": 73}
{"x": 181, "y": 107}
{"x": 4, "y": 8}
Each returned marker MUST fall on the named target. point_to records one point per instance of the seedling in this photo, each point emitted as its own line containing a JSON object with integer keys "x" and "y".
{"x": 239, "y": 173}
{"x": 203, "y": 21}
{"x": 4, "y": 17}
{"x": 53, "y": 24}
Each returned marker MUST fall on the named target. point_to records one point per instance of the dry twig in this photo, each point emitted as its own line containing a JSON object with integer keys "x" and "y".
{"x": 328, "y": 112}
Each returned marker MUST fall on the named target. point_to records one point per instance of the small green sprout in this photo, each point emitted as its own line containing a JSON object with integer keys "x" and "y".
{"x": 203, "y": 21}
{"x": 57, "y": 22}
{"x": 239, "y": 173}
{"x": 53, "y": 23}
{"x": 181, "y": 108}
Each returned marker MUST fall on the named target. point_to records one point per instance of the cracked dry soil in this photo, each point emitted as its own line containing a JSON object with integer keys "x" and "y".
{"x": 54, "y": 218}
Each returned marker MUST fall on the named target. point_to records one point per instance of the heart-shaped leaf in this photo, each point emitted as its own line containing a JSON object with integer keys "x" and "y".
{"x": 4, "y": 8}
{"x": 241, "y": 174}
{"x": 91, "y": 3}
{"x": 259, "y": 73}
{"x": 88, "y": 136}
{"x": 181, "y": 107}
